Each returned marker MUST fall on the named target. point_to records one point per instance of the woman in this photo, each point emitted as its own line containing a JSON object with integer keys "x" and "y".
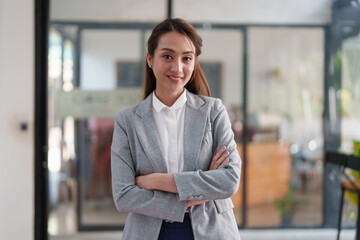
{"x": 166, "y": 170}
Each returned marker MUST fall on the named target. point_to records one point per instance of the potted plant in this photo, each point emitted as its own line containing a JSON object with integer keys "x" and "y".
{"x": 287, "y": 205}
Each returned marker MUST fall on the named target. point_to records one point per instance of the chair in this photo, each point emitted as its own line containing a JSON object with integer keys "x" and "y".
{"x": 348, "y": 184}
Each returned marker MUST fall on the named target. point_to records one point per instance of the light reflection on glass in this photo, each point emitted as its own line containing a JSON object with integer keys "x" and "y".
{"x": 68, "y": 64}
{"x": 54, "y": 153}
{"x": 53, "y": 224}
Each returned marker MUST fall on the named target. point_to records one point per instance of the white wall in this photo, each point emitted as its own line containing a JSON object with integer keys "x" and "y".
{"x": 297, "y": 54}
{"x": 108, "y": 10}
{"x": 224, "y": 11}
{"x": 286, "y": 68}
{"x": 254, "y": 11}
{"x": 16, "y": 103}
{"x": 225, "y": 47}
{"x": 101, "y": 50}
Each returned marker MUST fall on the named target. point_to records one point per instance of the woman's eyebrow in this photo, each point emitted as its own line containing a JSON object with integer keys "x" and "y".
{"x": 171, "y": 50}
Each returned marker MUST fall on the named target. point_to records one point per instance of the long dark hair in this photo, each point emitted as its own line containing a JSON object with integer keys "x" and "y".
{"x": 197, "y": 83}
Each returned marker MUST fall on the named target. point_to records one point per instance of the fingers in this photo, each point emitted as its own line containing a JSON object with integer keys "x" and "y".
{"x": 215, "y": 151}
{"x": 219, "y": 158}
{"x": 222, "y": 158}
{"x": 218, "y": 154}
{"x": 224, "y": 162}
{"x": 190, "y": 203}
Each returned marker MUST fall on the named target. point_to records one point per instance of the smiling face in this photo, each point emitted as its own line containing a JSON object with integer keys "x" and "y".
{"x": 173, "y": 64}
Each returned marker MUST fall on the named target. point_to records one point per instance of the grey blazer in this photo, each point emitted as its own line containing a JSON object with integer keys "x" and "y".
{"x": 136, "y": 150}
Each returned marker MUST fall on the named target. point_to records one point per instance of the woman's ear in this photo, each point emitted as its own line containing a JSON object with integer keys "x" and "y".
{"x": 148, "y": 59}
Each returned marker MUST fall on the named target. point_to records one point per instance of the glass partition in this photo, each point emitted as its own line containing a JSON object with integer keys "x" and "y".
{"x": 285, "y": 107}
{"x": 349, "y": 54}
{"x": 105, "y": 86}
{"x": 93, "y": 74}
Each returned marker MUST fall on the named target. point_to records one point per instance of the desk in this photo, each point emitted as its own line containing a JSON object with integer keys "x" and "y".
{"x": 346, "y": 161}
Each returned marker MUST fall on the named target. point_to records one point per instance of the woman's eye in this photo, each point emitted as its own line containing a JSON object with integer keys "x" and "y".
{"x": 187, "y": 59}
{"x": 167, "y": 57}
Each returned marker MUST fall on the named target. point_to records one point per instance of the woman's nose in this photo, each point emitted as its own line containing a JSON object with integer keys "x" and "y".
{"x": 176, "y": 66}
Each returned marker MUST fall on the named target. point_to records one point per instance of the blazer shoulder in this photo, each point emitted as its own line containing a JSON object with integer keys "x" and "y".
{"x": 124, "y": 112}
{"x": 127, "y": 113}
{"x": 216, "y": 108}
{"x": 211, "y": 100}
{"x": 215, "y": 104}
{"x": 205, "y": 99}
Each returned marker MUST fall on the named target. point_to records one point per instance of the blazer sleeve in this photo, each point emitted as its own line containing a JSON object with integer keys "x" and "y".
{"x": 215, "y": 184}
{"x": 127, "y": 196}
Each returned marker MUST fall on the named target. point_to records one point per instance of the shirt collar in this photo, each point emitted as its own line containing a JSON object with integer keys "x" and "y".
{"x": 158, "y": 105}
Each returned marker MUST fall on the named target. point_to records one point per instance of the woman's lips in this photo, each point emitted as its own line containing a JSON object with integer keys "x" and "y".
{"x": 175, "y": 78}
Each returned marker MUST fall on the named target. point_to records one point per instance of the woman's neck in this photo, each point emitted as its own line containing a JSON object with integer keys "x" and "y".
{"x": 168, "y": 98}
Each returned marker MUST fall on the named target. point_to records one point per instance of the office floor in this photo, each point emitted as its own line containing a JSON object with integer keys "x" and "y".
{"x": 62, "y": 224}
{"x": 62, "y": 218}
{"x": 293, "y": 234}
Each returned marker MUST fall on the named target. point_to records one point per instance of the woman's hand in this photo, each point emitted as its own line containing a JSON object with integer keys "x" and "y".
{"x": 146, "y": 181}
{"x": 157, "y": 181}
{"x": 219, "y": 158}
{"x": 190, "y": 203}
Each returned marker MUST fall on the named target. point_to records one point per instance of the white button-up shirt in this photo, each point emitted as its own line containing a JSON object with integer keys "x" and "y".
{"x": 170, "y": 125}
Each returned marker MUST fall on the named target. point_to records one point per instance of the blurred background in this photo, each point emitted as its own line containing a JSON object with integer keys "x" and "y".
{"x": 269, "y": 70}
{"x": 287, "y": 72}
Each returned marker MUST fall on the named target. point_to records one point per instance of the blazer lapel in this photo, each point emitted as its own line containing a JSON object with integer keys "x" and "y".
{"x": 195, "y": 119}
{"x": 148, "y": 136}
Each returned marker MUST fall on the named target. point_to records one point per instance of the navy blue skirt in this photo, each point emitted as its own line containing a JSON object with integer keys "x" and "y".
{"x": 177, "y": 230}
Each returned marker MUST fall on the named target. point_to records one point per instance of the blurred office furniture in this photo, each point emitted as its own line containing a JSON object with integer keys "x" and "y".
{"x": 268, "y": 172}
{"x": 307, "y": 164}
{"x": 346, "y": 161}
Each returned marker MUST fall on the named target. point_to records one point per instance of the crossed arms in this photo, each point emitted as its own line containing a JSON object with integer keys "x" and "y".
{"x": 166, "y": 181}
{"x": 166, "y": 196}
